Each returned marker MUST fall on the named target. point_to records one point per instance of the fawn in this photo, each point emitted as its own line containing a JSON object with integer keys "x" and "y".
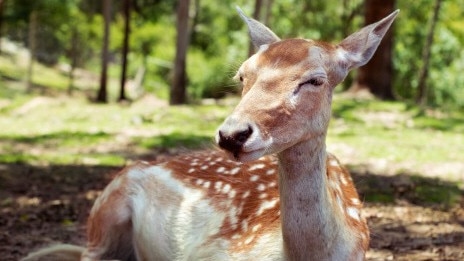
{"x": 242, "y": 203}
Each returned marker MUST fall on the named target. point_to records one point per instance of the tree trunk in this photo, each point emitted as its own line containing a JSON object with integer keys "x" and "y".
{"x": 178, "y": 88}
{"x": 268, "y": 13}
{"x": 256, "y": 16}
{"x": 376, "y": 76}
{"x": 125, "y": 49}
{"x": 32, "y": 48}
{"x": 2, "y": 4}
{"x": 102, "y": 92}
{"x": 74, "y": 57}
{"x": 422, "y": 90}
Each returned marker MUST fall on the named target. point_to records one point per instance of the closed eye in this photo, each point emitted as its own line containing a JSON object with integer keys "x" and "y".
{"x": 312, "y": 81}
{"x": 316, "y": 81}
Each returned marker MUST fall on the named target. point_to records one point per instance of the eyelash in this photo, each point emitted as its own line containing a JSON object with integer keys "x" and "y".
{"x": 312, "y": 81}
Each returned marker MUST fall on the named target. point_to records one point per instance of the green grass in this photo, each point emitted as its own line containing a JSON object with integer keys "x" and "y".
{"x": 52, "y": 130}
{"x": 379, "y": 129}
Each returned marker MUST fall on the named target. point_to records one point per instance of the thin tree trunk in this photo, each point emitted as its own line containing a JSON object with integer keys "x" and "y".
{"x": 422, "y": 89}
{"x": 32, "y": 48}
{"x": 256, "y": 15}
{"x": 376, "y": 76}
{"x": 102, "y": 92}
{"x": 74, "y": 57}
{"x": 268, "y": 14}
{"x": 178, "y": 88}
{"x": 125, "y": 49}
{"x": 2, "y": 4}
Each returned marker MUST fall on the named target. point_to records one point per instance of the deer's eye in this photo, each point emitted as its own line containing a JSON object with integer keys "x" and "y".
{"x": 316, "y": 82}
{"x": 313, "y": 82}
{"x": 240, "y": 78}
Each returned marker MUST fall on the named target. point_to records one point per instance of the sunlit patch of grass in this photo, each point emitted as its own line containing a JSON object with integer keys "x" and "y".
{"x": 392, "y": 131}
{"x": 175, "y": 140}
{"x": 61, "y": 158}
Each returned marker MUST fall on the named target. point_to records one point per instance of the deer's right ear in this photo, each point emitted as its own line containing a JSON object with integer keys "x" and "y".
{"x": 259, "y": 33}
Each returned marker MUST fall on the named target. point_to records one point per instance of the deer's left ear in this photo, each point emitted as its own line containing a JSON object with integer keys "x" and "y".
{"x": 259, "y": 33}
{"x": 358, "y": 48}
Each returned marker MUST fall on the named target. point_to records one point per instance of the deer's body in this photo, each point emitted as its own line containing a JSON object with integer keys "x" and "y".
{"x": 299, "y": 205}
{"x": 216, "y": 209}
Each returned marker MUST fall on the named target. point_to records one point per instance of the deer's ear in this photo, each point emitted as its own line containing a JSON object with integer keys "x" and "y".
{"x": 358, "y": 48}
{"x": 259, "y": 33}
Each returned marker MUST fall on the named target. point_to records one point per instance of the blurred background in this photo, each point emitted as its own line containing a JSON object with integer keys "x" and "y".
{"x": 88, "y": 86}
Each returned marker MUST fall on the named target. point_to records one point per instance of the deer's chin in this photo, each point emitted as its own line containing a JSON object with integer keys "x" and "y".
{"x": 251, "y": 156}
{"x": 246, "y": 156}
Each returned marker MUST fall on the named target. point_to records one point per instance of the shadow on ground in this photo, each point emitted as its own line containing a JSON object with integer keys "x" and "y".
{"x": 410, "y": 217}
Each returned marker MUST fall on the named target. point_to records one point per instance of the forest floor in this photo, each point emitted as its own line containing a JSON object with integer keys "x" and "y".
{"x": 45, "y": 205}
{"x": 54, "y": 162}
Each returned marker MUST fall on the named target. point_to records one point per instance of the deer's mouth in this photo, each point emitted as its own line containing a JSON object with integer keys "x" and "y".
{"x": 246, "y": 156}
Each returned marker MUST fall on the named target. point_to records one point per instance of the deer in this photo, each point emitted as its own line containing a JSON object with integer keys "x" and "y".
{"x": 272, "y": 191}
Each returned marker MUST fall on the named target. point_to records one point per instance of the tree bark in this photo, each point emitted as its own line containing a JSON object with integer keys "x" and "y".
{"x": 102, "y": 92}
{"x": 74, "y": 57}
{"x": 2, "y": 4}
{"x": 422, "y": 89}
{"x": 178, "y": 88}
{"x": 32, "y": 42}
{"x": 256, "y": 16}
{"x": 376, "y": 76}
{"x": 125, "y": 49}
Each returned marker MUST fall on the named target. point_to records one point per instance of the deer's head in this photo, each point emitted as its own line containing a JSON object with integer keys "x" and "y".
{"x": 288, "y": 86}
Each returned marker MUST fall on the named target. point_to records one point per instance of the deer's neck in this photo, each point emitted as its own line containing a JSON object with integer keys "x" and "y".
{"x": 309, "y": 226}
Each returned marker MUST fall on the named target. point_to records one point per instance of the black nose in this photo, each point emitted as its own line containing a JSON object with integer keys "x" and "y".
{"x": 233, "y": 142}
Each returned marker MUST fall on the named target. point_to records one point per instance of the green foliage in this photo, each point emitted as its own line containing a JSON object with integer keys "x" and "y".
{"x": 445, "y": 82}
{"x": 71, "y": 31}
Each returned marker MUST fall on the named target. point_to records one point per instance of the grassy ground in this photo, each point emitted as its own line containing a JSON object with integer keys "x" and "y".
{"x": 58, "y": 151}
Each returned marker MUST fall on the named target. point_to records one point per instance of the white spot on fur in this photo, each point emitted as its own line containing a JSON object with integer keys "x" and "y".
{"x": 244, "y": 225}
{"x": 353, "y": 212}
{"x": 220, "y": 170}
{"x": 204, "y": 167}
{"x": 257, "y": 166}
{"x": 232, "y": 193}
{"x": 343, "y": 180}
{"x": 256, "y": 227}
{"x": 355, "y": 201}
{"x": 261, "y": 187}
{"x": 226, "y": 188}
{"x": 235, "y": 171}
{"x": 268, "y": 204}
{"x": 270, "y": 171}
{"x": 206, "y": 184}
{"x": 333, "y": 163}
{"x": 246, "y": 194}
{"x": 334, "y": 184}
{"x": 218, "y": 185}
{"x": 191, "y": 170}
{"x": 249, "y": 240}
{"x": 254, "y": 178}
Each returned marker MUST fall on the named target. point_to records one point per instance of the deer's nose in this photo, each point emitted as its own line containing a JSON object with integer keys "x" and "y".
{"x": 233, "y": 141}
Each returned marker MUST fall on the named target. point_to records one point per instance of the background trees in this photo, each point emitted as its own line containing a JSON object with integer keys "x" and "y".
{"x": 213, "y": 41}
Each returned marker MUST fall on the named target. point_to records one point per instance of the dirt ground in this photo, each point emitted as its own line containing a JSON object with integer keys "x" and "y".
{"x": 42, "y": 205}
